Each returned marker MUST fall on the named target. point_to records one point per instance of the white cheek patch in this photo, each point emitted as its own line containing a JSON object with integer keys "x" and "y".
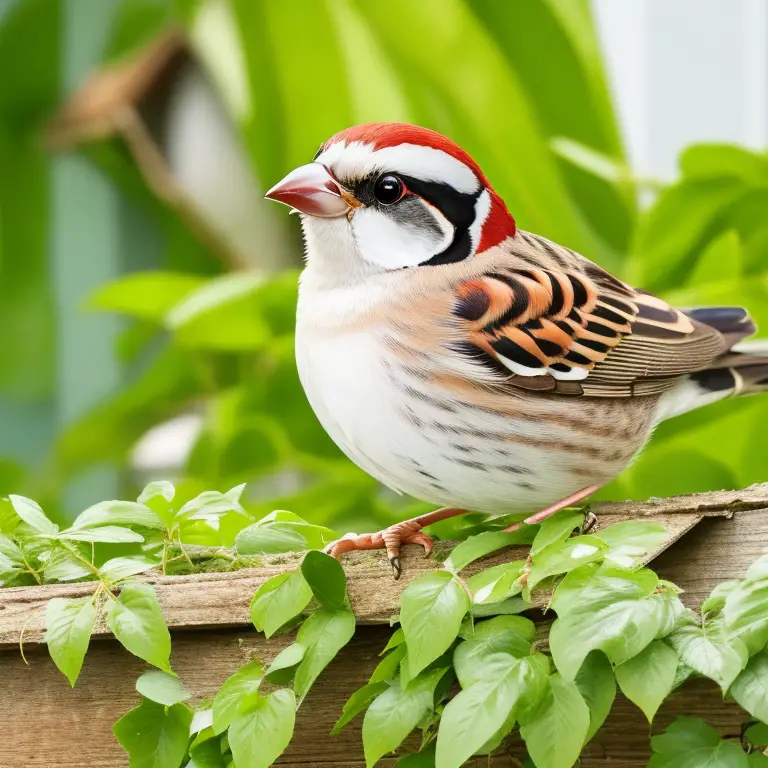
{"x": 358, "y": 160}
{"x": 482, "y": 209}
{"x": 390, "y": 243}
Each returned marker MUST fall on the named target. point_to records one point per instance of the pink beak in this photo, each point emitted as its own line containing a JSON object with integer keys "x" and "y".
{"x": 312, "y": 190}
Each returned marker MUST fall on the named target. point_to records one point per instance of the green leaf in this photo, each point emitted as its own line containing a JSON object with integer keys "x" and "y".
{"x": 119, "y": 568}
{"x": 597, "y": 686}
{"x": 117, "y": 513}
{"x": 68, "y": 627}
{"x": 260, "y": 735}
{"x": 270, "y": 539}
{"x": 145, "y": 295}
{"x": 278, "y": 600}
{"x": 160, "y": 687}
{"x": 31, "y": 513}
{"x": 746, "y": 611}
{"x": 701, "y": 161}
{"x": 647, "y": 679}
{"x": 750, "y": 688}
{"x": 107, "y": 534}
{"x": 62, "y": 566}
{"x": 757, "y": 735}
{"x": 431, "y": 611}
{"x": 281, "y": 670}
{"x": 157, "y": 489}
{"x": 398, "y": 638}
{"x": 603, "y": 609}
{"x": 424, "y": 759}
{"x": 387, "y": 668}
{"x": 691, "y": 743}
{"x": 758, "y": 760}
{"x": 137, "y": 622}
{"x": 708, "y": 651}
{"x": 478, "y": 546}
{"x": 210, "y": 505}
{"x": 235, "y": 695}
{"x": 716, "y": 600}
{"x": 155, "y": 736}
{"x": 555, "y": 733}
{"x": 629, "y": 541}
{"x": 495, "y": 584}
{"x": 396, "y": 712}
{"x": 722, "y": 259}
{"x": 565, "y": 556}
{"x": 357, "y": 702}
{"x": 513, "y": 635}
{"x": 556, "y": 528}
{"x": 11, "y": 559}
{"x": 479, "y": 711}
{"x": 326, "y": 578}
{"x": 322, "y": 635}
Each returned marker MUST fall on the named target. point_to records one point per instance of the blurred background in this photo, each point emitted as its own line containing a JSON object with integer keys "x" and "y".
{"x": 147, "y": 291}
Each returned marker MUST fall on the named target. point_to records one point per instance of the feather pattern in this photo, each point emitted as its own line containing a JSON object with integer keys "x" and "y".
{"x": 573, "y": 322}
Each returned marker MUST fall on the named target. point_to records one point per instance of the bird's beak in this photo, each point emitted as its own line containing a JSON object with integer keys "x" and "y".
{"x": 311, "y": 189}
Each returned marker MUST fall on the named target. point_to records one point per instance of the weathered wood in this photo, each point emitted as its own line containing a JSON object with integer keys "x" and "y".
{"x": 47, "y": 724}
{"x": 223, "y": 599}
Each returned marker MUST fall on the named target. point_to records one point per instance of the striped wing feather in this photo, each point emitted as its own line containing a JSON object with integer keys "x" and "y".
{"x": 582, "y": 332}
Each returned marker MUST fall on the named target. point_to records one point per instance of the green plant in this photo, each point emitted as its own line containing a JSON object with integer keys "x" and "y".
{"x": 617, "y": 624}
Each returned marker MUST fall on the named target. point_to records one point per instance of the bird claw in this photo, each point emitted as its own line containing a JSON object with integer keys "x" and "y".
{"x": 590, "y": 521}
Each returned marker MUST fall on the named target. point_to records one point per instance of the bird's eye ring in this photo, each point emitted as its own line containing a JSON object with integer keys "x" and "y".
{"x": 388, "y": 189}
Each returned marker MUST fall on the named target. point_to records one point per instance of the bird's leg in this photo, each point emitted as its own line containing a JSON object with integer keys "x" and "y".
{"x": 407, "y": 532}
{"x": 568, "y": 501}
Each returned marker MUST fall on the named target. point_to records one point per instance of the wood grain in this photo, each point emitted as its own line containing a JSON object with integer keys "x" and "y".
{"x": 48, "y": 724}
{"x": 223, "y": 599}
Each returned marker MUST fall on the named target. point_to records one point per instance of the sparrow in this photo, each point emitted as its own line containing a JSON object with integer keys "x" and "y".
{"x": 469, "y": 363}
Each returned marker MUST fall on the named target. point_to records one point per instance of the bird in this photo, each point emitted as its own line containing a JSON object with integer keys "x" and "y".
{"x": 462, "y": 360}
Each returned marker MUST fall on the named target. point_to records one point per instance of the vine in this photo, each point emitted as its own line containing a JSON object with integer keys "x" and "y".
{"x": 464, "y": 667}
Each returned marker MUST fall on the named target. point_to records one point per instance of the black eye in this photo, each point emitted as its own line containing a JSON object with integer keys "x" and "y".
{"x": 388, "y": 189}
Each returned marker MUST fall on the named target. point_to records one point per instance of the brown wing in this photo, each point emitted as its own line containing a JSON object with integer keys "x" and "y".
{"x": 582, "y": 332}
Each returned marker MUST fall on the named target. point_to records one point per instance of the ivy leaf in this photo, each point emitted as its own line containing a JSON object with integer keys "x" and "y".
{"x": 708, "y": 651}
{"x": 431, "y": 611}
{"x": 107, "y": 534}
{"x": 326, "y": 578}
{"x": 513, "y": 635}
{"x": 278, "y": 600}
{"x": 162, "y": 688}
{"x": 281, "y": 670}
{"x": 396, "y": 712}
{"x": 565, "y": 556}
{"x": 716, "y": 600}
{"x": 357, "y": 702}
{"x": 557, "y": 528}
{"x": 119, "y": 568}
{"x": 750, "y": 688}
{"x": 597, "y": 686}
{"x": 117, "y": 513}
{"x": 322, "y": 636}
{"x": 31, "y": 513}
{"x": 478, "y": 712}
{"x": 746, "y": 609}
{"x": 205, "y": 751}
{"x": 260, "y": 735}
{"x": 629, "y": 541}
{"x": 496, "y": 583}
{"x": 691, "y": 743}
{"x": 604, "y": 609}
{"x": 757, "y": 735}
{"x": 68, "y": 627}
{"x": 136, "y": 620}
{"x": 478, "y": 546}
{"x": 555, "y": 733}
{"x": 235, "y": 695}
{"x": 11, "y": 559}
{"x": 387, "y": 668}
{"x": 647, "y": 679}
{"x": 155, "y": 736}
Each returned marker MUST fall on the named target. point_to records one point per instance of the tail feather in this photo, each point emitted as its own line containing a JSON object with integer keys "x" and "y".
{"x": 742, "y": 370}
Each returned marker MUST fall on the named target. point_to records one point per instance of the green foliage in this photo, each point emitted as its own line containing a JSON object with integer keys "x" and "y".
{"x": 691, "y": 743}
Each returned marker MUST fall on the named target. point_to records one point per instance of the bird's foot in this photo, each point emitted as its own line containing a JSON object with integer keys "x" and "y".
{"x": 390, "y": 539}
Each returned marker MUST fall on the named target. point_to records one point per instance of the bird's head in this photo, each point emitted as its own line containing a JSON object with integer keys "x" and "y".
{"x": 391, "y": 196}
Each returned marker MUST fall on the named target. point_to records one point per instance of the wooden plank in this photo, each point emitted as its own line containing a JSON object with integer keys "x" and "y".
{"x": 223, "y": 599}
{"x": 73, "y": 727}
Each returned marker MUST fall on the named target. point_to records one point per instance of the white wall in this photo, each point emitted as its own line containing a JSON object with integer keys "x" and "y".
{"x": 684, "y": 71}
